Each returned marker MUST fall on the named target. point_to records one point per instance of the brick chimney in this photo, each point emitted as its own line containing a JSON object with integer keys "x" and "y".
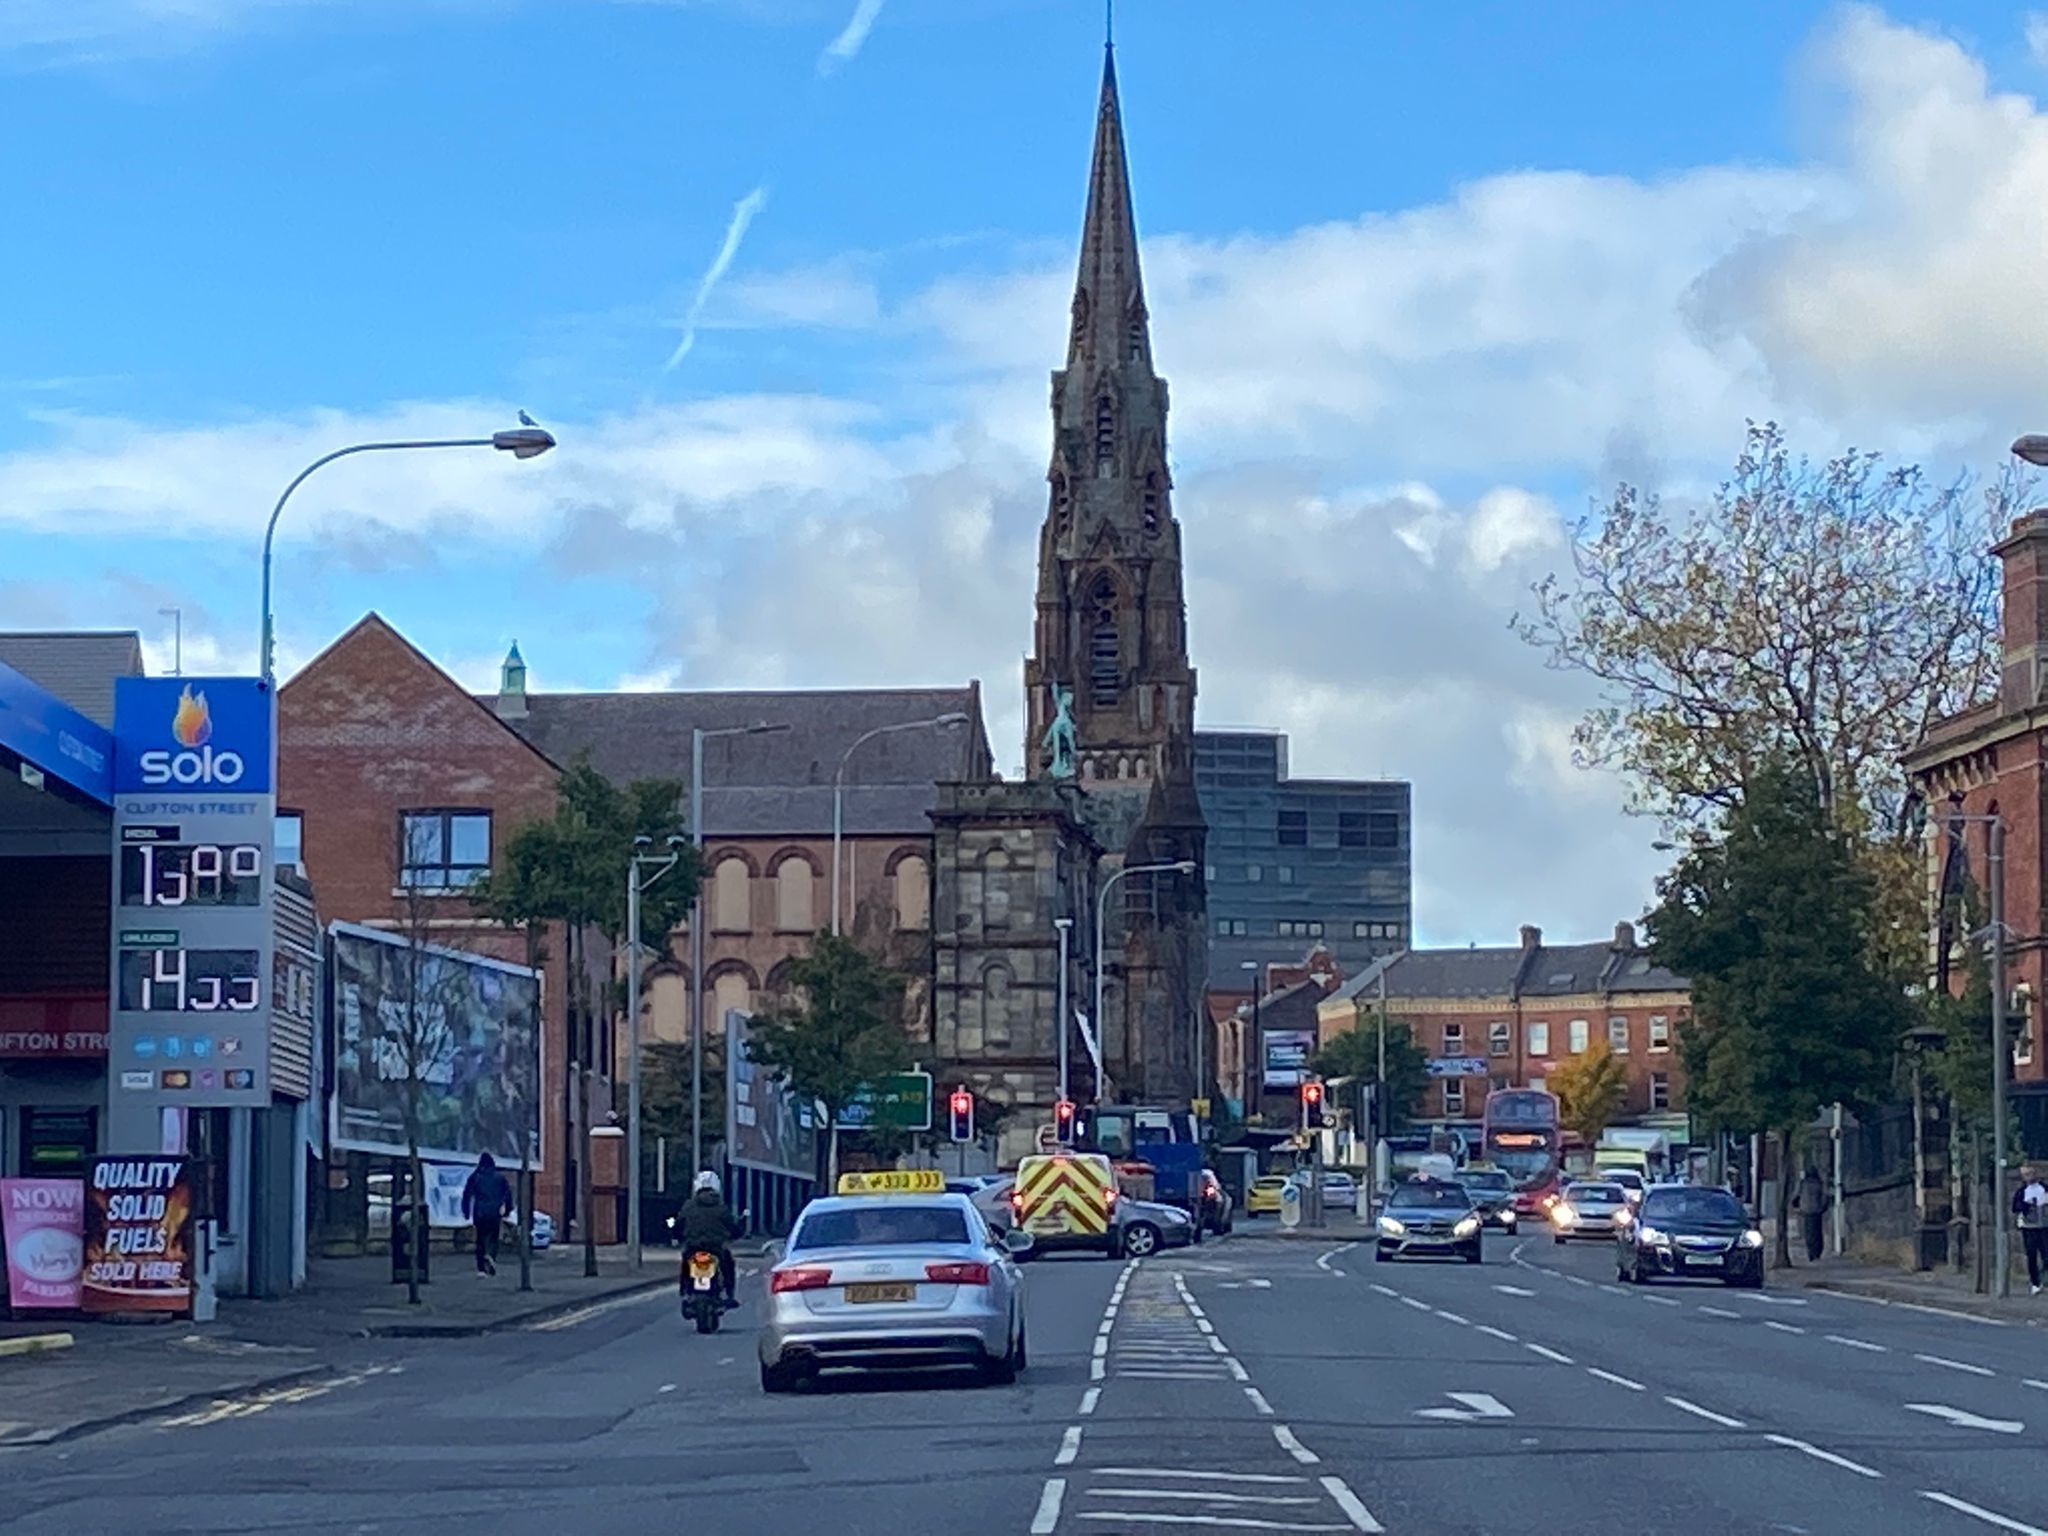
{"x": 1532, "y": 938}
{"x": 2024, "y": 554}
{"x": 1625, "y": 937}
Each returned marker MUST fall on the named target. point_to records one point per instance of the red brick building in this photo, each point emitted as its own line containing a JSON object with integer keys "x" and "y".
{"x": 1525, "y": 1010}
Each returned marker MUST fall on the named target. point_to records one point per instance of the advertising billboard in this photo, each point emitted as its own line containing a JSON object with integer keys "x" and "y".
{"x": 42, "y": 1223}
{"x": 138, "y": 1235}
{"x": 1287, "y": 1054}
{"x": 460, "y": 1030}
{"x": 765, "y": 1127}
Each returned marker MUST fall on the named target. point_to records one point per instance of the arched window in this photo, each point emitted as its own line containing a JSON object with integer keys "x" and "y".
{"x": 995, "y": 889}
{"x": 998, "y": 991}
{"x": 1062, "y": 503}
{"x": 730, "y": 895}
{"x": 1105, "y": 436}
{"x": 668, "y": 1007}
{"x": 793, "y": 890}
{"x": 1080, "y": 316}
{"x": 729, "y": 991}
{"x": 1149, "y": 501}
{"x": 913, "y": 893}
{"x": 1135, "y": 340}
{"x": 1105, "y": 665}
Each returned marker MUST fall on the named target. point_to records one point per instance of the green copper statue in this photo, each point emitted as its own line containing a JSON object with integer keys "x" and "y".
{"x": 1060, "y": 750}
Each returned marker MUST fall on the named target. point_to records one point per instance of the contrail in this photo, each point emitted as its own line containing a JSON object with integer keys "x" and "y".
{"x": 742, "y": 215}
{"x": 843, "y": 48}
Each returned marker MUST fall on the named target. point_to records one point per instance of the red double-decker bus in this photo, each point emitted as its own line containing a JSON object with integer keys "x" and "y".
{"x": 1521, "y": 1137}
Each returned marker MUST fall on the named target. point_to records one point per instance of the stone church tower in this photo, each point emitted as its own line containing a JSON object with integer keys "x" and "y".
{"x": 1011, "y": 860}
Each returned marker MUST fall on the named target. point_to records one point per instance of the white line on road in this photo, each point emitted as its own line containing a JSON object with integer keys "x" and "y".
{"x": 1548, "y": 1353}
{"x": 1843, "y": 1338}
{"x": 1708, "y": 1414}
{"x": 1150, "y": 1375}
{"x": 1201, "y": 1496}
{"x": 1410, "y": 1301}
{"x": 1218, "y": 1345}
{"x": 1089, "y": 1399}
{"x": 1452, "y": 1317}
{"x": 1095, "y": 1369}
{"x": 1233, "y": 1522}
{"x": 1956, "y": 1365}
{"x": 1360, "y": 1517}
{"x": 1663, "y": 1301}
{"x": 1619, "y": 1381}
{"x": 1203, "y": 1477}
{"x": 1205, "y": 1325}
{"x": 1772, "y": 1322}
{"x": 1499, "y": 1333}
{"x": 1508, "y": 1290}
{"x": 1578, "y": 1280}
{"x": 1048, "y": 1517}
{"x": 1827, "y": 1456}
{"x": 1259, "y": 1400}
{"x": 1963, "y": 1506}
{"x": 1101, "y": 1345}
{"x": 1237, "y": 1370}
{"x": 1070, "y": 1446}
{"x": 1388, "y": 1290}
{"x": 1962, "y": 1420}
{"x": 1915, "y": 1306}
{"x": 2038, "y": 1386}
{"x": 1294, "y": 1447}
{"x": 1719, "y": 1312}
{"x": 1619, "y": 1290}
{"x": 1323, "y": 1262}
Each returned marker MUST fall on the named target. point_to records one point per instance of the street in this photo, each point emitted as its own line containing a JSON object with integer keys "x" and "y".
{"x": 1252, "y": 1384}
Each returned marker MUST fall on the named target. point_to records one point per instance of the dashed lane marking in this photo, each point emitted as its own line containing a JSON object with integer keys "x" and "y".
{"x": 1956, "y": 1365}
{"x": 1509, "y": 1290}
{"x": 1842, "y": 1338}
{"x": 1047, "y": 1519}
{"x": 1806, "y": 1448}
{"x": 1772, "y": 1322}
{"x": 1708, "y": 1414}
{"x": 1089, "y": 1399}
{"x": 1452, "y": 1317}
{"x": 1979, "y": 1512}
{"x": 1294, "y": 1447}
{"x": 1663, "y": 1301}
{"x": 1619, "y": 1381}
{"x": 1258, "y": 1400}
{"x": 1388, "y": 1290}
{"x": 1498, "y": 1333}
{"x": 1720, "y": 1312}
{"x": 1410, "y": 1301}
{"x": 1070, "y": 1446}
{"x": 1359, "y": 1516}
{"x": 1548, "y": 1353}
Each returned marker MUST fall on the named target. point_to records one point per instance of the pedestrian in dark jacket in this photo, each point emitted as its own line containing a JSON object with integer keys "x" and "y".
{"x": 2030, "y": 1204}
{"x": 709, "y": 1226}
{"x": 1812, "y": 1203}
{"x": 486, "y": 1197}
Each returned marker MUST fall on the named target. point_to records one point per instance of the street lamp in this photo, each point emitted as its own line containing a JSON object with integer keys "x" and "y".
{"x": 2033, "y": 447}
{"x": 657, "y": 865}
{"x": 1254, "y": 1058}
{"x": 1065, "y": 1025}
{"x": 1180, "y": 867}
{"x": 839, "y": 787}
{"x": 524, "y": 442}
{"x": 2001, "y": 1063}
{"x": 698, "y": 736}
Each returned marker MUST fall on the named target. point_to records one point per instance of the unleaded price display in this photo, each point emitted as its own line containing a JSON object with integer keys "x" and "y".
{"x": 190, "y": 980}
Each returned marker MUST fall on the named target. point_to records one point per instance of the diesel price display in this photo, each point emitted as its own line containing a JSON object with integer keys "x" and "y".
{"x": 191, "y": 874}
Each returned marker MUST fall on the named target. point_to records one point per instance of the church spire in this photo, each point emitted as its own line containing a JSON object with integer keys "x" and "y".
{"x": 1109, "y": 296}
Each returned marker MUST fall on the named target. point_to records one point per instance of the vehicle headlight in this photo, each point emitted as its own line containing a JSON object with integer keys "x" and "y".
{"x": 1624, "y": 1216}
{"x": 1752, "y": 1238}
{"x": 1563, "y": 1214}
{"x": 1466, "y": 1227}
{"x": 1653, "y": 1237}
{"x": 1392, "y": 1228}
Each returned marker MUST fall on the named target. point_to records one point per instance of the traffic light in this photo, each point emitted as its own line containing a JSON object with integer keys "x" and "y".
{"x": 960, "y": 1113}
{"x": 1311, "y": 1106}
{"x": 1063, "y": 1122}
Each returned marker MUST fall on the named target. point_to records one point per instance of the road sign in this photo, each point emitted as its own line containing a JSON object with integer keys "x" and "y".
{"x": 1290, "y": 1204}
{"x": 1457, "y": 1066}
{"x": 902, "y": 1102}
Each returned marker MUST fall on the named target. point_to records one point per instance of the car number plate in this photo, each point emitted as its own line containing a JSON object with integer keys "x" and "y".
{"x": 1704, "y": 1260}
{"x": 873, "y": 1293}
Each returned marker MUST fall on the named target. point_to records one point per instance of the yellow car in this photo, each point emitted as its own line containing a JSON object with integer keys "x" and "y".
{"x": 1263, "y": 1198}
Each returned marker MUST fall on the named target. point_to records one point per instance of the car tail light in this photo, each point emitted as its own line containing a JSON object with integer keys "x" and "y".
{"x": 1109, "y": 1197}
{"x": 799, "y": 1280}
{"x": 957, "y": 1274}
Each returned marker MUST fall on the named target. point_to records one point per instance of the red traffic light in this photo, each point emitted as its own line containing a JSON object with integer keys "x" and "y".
{"x": 963, "y": 1101}
{"x": 1064, "y": 1110}
{"x": 1311, "y": 1093}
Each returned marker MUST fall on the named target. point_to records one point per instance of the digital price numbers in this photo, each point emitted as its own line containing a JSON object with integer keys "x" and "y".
{"x": 191, "y": 874}
{"x": 190, "y": 980}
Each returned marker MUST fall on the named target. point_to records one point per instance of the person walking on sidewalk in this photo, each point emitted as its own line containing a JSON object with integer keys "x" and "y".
{"x": 486, "y": 1197}
{"x": 1812, "y": 1203}
{"x": 2030, "y": 1204}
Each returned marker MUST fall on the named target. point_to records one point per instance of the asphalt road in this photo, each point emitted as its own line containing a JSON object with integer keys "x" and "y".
{"x": 1249, "y": 1385}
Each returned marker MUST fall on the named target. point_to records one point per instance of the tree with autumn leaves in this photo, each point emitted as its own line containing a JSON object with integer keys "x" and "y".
{"x": 1591, "y": 1089}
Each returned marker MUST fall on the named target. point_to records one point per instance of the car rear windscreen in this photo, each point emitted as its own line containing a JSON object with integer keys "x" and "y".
{"x": 1692, "y": 1205}
{"x": 881, "y": 1226}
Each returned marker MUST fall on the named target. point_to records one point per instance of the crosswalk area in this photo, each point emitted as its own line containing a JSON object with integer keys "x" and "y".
{"x": 1146, "y": 1497}
{"x": 1157, "y": 1338}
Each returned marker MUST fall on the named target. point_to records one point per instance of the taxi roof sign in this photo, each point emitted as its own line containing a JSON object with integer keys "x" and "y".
{"x": 894, "y": 1181}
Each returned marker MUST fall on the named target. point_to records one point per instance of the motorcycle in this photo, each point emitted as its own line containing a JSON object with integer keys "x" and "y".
{"x": 703, "y": 1295}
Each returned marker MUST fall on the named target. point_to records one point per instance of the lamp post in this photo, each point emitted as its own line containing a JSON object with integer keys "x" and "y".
{"x": 1254, "y": 1055}
{"x": 839, "y": 787}
{"x": 642, "y": 870}
{"x": 1065, "y": 1025}
{"x": 1180, "y": 867}
{"x": 2001, "y": 1060}
{"x": 698, "y": 736}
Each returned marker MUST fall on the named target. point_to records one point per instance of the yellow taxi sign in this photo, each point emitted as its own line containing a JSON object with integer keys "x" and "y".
{"x": 894, "y": 1181}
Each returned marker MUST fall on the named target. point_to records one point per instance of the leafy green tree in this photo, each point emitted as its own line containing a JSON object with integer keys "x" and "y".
{"x": 1355, "y": 1054}
{"x": 838, "y": 1028}
{"x": 1591, "y": 1088}
{"x": 1771, "y": 921}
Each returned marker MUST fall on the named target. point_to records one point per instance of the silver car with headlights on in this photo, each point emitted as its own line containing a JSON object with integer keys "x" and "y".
{"x": 893, "y": 1273}
{"x": 1429, "y": 1216}
{"x": 1590, "y": 1208}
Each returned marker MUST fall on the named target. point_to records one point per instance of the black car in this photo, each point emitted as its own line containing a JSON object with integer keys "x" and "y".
{"x": 1691, "y": 1232}
{"x": 1492, "y": 1194}
{"x": 1429, "y": 1216}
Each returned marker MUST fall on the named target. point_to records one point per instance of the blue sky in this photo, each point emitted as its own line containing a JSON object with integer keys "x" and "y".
{"x": 1423, "y": 279}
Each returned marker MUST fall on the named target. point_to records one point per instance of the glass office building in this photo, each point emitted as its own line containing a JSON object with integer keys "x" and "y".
{"x": 1294, "y": 862}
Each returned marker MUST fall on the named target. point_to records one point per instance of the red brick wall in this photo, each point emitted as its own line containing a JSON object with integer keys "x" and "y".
{"x": 371, "y": 728}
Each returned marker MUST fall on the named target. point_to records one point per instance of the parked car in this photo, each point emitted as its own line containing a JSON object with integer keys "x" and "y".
{"x": 1340, "y": 1191}
{"x": 1148, "y": 1226}
{"x": 1263, "y": 1198}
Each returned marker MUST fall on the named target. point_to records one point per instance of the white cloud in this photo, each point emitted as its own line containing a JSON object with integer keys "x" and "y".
{"x": 846, "y": 47}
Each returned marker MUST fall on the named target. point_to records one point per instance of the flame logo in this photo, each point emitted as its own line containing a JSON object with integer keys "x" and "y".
{"x": 193, "y": 723}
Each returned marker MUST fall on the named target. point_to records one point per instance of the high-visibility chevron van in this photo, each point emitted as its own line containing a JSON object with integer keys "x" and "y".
{"x": 1068, "y": 1200}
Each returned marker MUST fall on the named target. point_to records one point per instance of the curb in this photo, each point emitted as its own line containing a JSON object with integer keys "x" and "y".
{"x": 36, "y": 1344}
{"x": 1967, "y": 1308}
{"x": 82, "y": 1427}
{"x": 425, "y": 1329}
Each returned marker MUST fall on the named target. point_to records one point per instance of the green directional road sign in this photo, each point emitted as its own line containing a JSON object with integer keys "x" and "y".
{"x": 902, "y": 1102}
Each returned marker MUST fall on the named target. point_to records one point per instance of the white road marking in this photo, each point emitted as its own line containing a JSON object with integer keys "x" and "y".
{"x": 1962, "y": 1420}
{"x": 1235, "y": 1523}
{"x": 1708, "y": 1414}
{"x": 1324, "y": 1261}
{"x": 2038, "y": 1386}
{"x": 1956, "y": 1365}
{"x": 1719, "y": 1312}
{"x": 1499, "y": 1333}
{"x": 1663, "y": 1301}
{"x": 1963, "y": 1506}
{"x": 1410, "y": 1301}
{"x": 596, "y": 1309}
{"x": 1201, "y": 1496}
{"x": 1578, "y": 1280}
{"x": 1619, "y": 1381}
{"x": 1916, "y": 1306}
{"x": 1070, "y": 1446}
{"x": 669, "y": 1387}
{"x": 1508, "y": 1290}
{"x": 1473, "y": 1406}
{"x": 1218, "y": 1345}
{"x": 1452, "y": 1317}
{"x": 1360, "y": 1517}
{"x": 1622, "y": 1290}
{"x": 1843, "y": 1338}
{"x": 1237, "y": 1370}
{"x": 1548, "y": 1353}
{"x": 1827, "y": 1456}
{"x": 1089, "y": 1399}
{"x": 1206, "y": 1477}
{"x": 1772, "y": 1322}
{"x": 1259, "y": 1400}
{"x": 1388, "y": 1290}
{"x": 1151, "y": 1375}
{"x": 1095, "y": 1369}
{"x": 1048, "y": 1517}
{"x": 1205, "y": 1325}
{"x": 1294, "y": 1447}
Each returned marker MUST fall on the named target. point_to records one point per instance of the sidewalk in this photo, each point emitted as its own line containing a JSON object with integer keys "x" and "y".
{"x": 1941, "y": 1289}
{"x": 1342, "y": 1227}
{"x": 120, "y": 1372}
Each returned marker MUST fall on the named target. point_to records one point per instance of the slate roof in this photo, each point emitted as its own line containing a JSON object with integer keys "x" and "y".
{"x": 78, "y": 666}
{"x": 1512, "y": 971}
{"x": 780, "y": 783}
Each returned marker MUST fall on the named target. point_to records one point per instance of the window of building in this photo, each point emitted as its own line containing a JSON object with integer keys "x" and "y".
{"x": 728, "y": 992}
{"x": 1660, "y": 1090}
{"x": 1150, "y": 503}
{"x": 1293, "y": 829}
{"x": 1376, "y": 930}
{"x": 1617, "y": 1035}
{"x": 1284, "y": 873}
{"x": 1539, "y": 1037}
{"x": 730, "y": 886}
{"x": 1315, "y": 928}
{"x": 995, "y": 889}
{"x": 289, "y": 844}
{"x": 1454, "y": 1096}
{"x": 443, "y": 850}
{"x": 1352, "y": 829}
{"x": 1383, "y": 830}
{"x": 1580, "y": 1035}
{"x": 1209, "y": 873}
{"x": 1660, "y": 1032}
{"x": 793, "y": 892}
{"x": 913, "y": 893}
{"x": 1236, "y": 927}
{"x": 1254, "y": 874}
{"x": 1540, "y": 1084}
{"x": 1105, "y": 434}
{"x": 1454, "y": 1039}
{"x": 1500, "y": 1038}
{"x": 1105, "y": 664}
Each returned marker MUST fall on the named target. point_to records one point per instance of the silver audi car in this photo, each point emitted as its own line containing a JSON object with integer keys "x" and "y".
{"x": 894, "y": 1282}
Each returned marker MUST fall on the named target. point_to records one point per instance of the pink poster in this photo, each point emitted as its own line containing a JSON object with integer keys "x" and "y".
{"x": 43, "y": 1224}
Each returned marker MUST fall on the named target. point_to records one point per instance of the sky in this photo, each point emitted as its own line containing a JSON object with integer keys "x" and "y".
{"x": 786, "y": 277}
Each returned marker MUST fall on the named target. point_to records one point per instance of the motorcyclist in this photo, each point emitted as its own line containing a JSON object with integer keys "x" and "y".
{"x": 709, "y": 1226}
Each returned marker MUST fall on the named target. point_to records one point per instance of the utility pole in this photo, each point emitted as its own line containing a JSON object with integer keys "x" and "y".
{"x": 1064, "y": 1026}
{"x": 2001, "y": 1061}
{"x": 635, "y": 884}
